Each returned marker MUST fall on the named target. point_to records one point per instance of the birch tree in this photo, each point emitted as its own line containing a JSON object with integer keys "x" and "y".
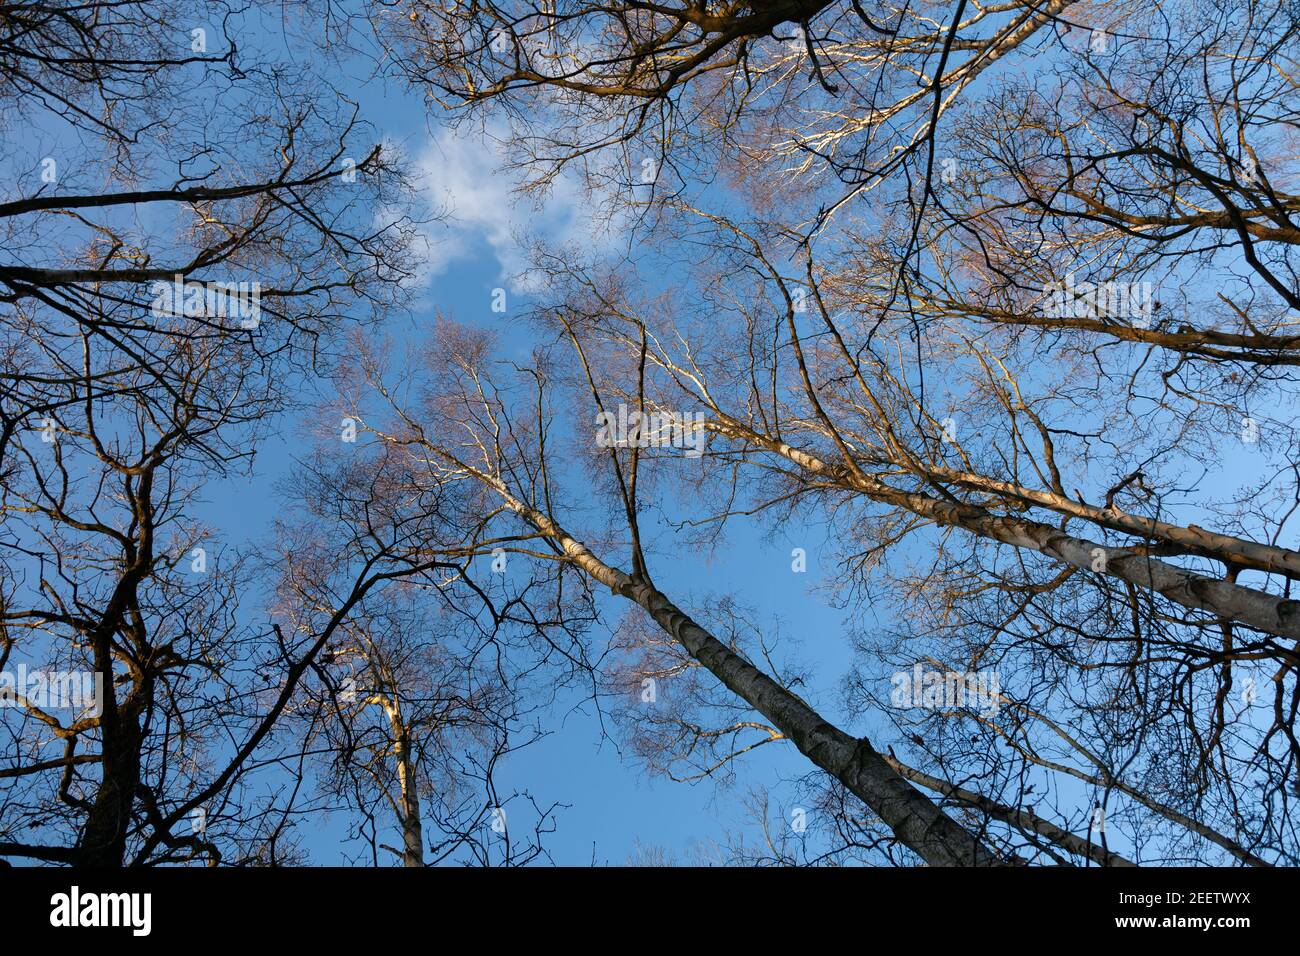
{"x": 431, "y": 682}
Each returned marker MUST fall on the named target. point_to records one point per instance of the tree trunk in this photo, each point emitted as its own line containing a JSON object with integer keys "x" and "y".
{"x": 913, "y": 817}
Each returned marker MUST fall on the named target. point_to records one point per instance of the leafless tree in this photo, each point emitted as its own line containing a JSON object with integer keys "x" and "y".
{"x": 202, "y": 224}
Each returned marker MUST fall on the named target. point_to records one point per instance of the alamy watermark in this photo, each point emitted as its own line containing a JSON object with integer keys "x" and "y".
{"x": 635, "y": 429}
{"x": 1133, "y": 301}
{"x": 209, "y": 300}
{"x": 75, "y": 908}
{"x": 947, "y": 690}
{"x": 77, "y": 691}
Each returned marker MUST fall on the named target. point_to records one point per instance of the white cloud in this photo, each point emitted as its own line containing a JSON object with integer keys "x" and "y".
{"x": 464, "y": 173}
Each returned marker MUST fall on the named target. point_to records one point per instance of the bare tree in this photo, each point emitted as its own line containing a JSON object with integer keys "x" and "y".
{"x": 438, "y": 675}
{"x": 203, "y": 223}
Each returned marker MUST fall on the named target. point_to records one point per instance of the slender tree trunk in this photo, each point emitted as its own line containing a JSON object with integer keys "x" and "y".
{"x": 914, "y": 819}
{"x": 409, "y": 797}
{"x": 103, "y": 837}
{"x": 1018, "y": 817}
{"x": 412, "y": 831}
